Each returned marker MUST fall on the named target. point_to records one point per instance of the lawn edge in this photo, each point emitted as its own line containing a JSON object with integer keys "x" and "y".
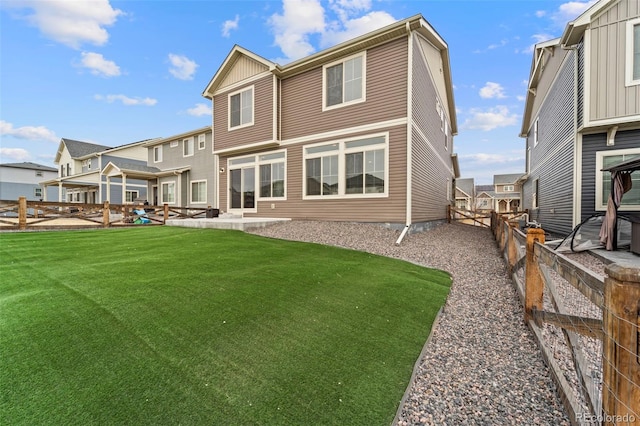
{"x": 416, "y": 366}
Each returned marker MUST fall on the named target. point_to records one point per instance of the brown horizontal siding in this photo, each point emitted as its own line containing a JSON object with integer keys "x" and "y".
{"x": 428, "y": 183}
{"x": 262, "y": 130}
{"x": 389, "y": 209}
{"x": 386, "y": 94}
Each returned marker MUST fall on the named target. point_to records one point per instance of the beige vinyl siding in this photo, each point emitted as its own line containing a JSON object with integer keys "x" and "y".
{"x": 386, "y": 82}
{"x": 243, "y": 68}
{"x": 262, "y": 129}
{"x": 431, "y": 161}
{"x": 610, "y": 98}
{"x": 387, "y": 209}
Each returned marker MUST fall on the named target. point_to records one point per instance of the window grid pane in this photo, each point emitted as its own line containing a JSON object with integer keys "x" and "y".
{"x": 235, "y": 110}
{"x": 636, "y": 52}
{"x": 334, "y": 85}
{"x": 265, "y": 180}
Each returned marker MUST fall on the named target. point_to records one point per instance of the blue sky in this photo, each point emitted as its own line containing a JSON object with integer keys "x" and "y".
{"x": 116, "y": 72}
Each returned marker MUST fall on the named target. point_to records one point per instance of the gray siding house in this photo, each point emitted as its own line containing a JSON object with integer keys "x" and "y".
{"x": 23, "y": 180}
{"x": 582, "y": 114}
{"x": 86, "y": 173}
{"x": 465, "y": 194}
{"x": 184, "y": 169}
{"x": 362, "y": 131}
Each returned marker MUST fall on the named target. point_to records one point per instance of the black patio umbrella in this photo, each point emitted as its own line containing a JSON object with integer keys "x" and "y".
{"x": 620, "y": 183}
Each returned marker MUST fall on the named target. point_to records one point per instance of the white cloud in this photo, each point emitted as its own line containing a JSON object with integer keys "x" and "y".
{"x": 539, "y": 38}
{"x": 183, "y": 68}
{"x": 229, "y": 25}
{"x": 302, "y": 20}
{"x": 199, "y": 110}
{"x": 541, "y": 13}
{"x": 34, "y": 133}
{"x": 99, "y": 65}
{"x": 71, "y": 22}
{"x": 492, "y": 91}
{"x": 352, "y": 28}
{"x": 490, "y": 119}
{"x": 17, "y": 154}
{"x": 571, "y": 10}
{"x": 486, "y": 159}
{"x": 126, "y": 100}
{"x": 299, "y": 19}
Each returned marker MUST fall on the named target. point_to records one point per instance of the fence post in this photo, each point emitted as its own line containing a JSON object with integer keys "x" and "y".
{"x": 512, "y": 250}
{"x": 22, "y": 213}
{"x": 166, "y": 214}
{"x": 106, "y": 217}
{"x": 621, "y": 345}
{"x": 534, "y": 286}
{"x": 448, "y": 213}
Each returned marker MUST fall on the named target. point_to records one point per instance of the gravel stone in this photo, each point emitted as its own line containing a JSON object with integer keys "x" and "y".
{"x": 481, "y": 364}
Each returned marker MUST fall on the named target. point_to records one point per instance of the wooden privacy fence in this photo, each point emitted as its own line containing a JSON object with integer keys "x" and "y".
{"x": 593, "y": 320}
{"x": 23, "y": 214}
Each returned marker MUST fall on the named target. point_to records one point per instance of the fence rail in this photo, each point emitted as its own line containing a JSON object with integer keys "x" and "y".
{"x": 23, "y": 215}
{"x": 598, "y": 318}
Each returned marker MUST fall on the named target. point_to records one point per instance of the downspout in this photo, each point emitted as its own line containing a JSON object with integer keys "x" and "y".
{"x": 409, "y": 128}
{"x": 216, "y": 163}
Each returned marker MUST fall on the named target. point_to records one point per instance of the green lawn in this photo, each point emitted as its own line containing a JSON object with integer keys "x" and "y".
{"x": 164, "y": 325}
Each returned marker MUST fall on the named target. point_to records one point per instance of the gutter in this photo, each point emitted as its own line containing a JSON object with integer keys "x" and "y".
{"x": 409, "y": 138}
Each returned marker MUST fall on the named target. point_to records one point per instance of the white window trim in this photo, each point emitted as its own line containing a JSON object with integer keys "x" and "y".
{"x": 535, "y": 133}
{"x": 601, "y": 205}
{"x": 364, "y": 82}
{"x": 253, "y": 108}
{"x": 36, "y": 190}
{"x": 629, "y": 81}
{"x": 248, "y": 164}
{"x": 174, "y": 144}
{"x": 192, "y": 143}
{"x": 157, "y": 149}
{"x": 341, "y": 151}
{"x": 175, "y": 195}
{"x": 132, "y": 191}
{"x": 505, "y": 188}
{"x": 277, "y": 160}
{"x": 202, "y": 141}
{"x": 535, "y": 202}
{"x": 191, "y": 191}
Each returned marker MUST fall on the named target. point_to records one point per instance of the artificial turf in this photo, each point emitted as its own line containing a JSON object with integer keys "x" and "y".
{"x": 165, "y": 325}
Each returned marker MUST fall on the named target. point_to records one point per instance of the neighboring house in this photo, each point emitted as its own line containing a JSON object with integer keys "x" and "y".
{"x": 507, "y": 192}
{"x": 185, "y": 170}
{"x": 465, "y": 194}
{"x": 582, "y": 114}
{"x": 485, "y": 194}
{"x": 362, "y": 131}
{"x": 81, "y": 177}
{"x": 23, "y": 180}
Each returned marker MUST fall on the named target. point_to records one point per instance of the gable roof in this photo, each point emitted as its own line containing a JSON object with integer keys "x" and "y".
{"x": 507, "y": 178}
{"x": 465, "y": 185}
{"x": 160, "y": 141}
{"x": 400, "y": 28}
{"x": 30, "y": 166}
{"x": 79, "y": 148}
{"x": 575, "y": 29}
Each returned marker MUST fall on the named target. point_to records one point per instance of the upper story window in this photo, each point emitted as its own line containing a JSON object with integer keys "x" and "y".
{"x": 201, "y": 141}
{"x": 241, "y": 108}
{"x": 187, "y": 147}
{"x": 535, "y": 133}
{"x": 89, "y": 163}
{"x": 174, "y": 144}
{"x": 39, "y": 173}
{"x": 157, "y": 154}
{"x": 508, "y": 188}
{"x": 633, "y": 52}
{"x": 344, "y": 82}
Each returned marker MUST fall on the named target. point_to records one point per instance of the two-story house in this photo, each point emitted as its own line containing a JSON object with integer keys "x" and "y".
{"x": 362, "y": 131}
{"x": 465, "y": 194}
{"x": 23, "y": 180}
{"x": 183, "y": 169}
{"x": 582, "y": 114}
{"x": 92, "y": 173}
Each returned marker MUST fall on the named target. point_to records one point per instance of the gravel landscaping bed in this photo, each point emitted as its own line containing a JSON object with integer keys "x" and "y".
{"x": 481, "y": 365}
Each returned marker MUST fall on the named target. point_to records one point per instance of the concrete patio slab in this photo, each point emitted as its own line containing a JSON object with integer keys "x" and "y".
{"x": 240, "y": 224}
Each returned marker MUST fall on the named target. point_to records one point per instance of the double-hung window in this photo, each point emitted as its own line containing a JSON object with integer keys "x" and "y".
{"x": 241, "y": 108}
{"x": 344, "y": 82}
{"x": 633, "y": 52}
{"x": 199, "y": 191}
{"x": 168, "y": 192}
{"x": 157, "y": 154}
{"x": 272, "y": 174}
{"x": 604, "y": 159}
{"x": 508, "y": 188}
{"x": 201, "y": 141}
{"x": 131, "y": 196}
{"x": 187, "y": 147}
{"x": 348, "y": 168}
